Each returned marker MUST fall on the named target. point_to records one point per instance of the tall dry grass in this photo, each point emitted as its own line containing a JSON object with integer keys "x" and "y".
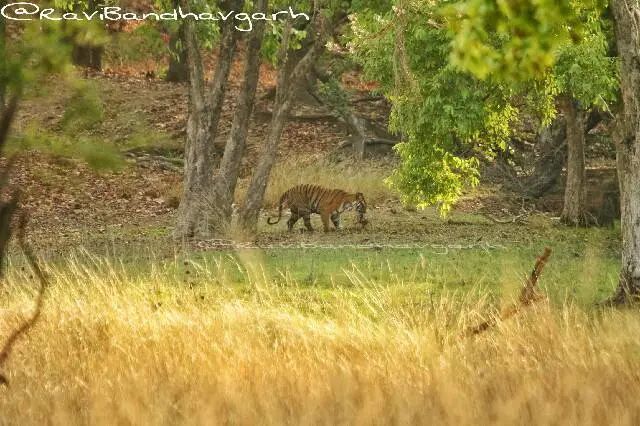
{"x": 116, "y": 348}
{"x": 366, "y": 177}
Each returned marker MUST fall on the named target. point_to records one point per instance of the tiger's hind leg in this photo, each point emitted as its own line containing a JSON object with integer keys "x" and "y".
{"x": 293, "y": 219}
{"x": 307, "y": 222}
{"x": 335, "y": 218}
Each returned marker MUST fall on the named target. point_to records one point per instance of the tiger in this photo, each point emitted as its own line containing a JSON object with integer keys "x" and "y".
{"x": 305, "y": 199}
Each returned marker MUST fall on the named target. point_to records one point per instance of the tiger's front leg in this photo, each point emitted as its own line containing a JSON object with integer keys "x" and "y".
{"x": 325, "y": 221}
{"x": 335, "y": 218}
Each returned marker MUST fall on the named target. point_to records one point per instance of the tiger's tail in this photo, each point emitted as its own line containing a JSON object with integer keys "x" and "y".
{"x": 284, "y": 196}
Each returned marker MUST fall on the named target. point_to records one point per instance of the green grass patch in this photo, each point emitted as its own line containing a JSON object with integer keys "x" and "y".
{"x": 575, "y": 274}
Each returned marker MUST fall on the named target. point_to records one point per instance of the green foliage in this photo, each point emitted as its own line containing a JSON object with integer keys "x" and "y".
{"x": 513, "y": 39}
{"x": 334, "y": 95}
{"x": 41, "y": 47}
{"x": 83, "y": 110}
{"x": 561, "y": 45}
{"x": 585, "y": 72}
{"x": 436, "y": 107}
{"x": 273, "y": 38}
{"x": 148, "y": 139}
{"x": 431, "y": 175}
{"x": 44, "y": 48}
{"x": 455, "y": 71}
{"x": 98, "y": 155}
{"x": 81, "y": 5}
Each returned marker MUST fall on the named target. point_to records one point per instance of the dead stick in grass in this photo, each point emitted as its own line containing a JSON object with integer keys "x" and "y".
{"x": 528, "y": 295}
{"x": 5, "y": 351}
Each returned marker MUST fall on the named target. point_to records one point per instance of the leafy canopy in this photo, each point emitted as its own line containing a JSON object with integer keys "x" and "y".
{"x": 459, "y": 74}
{"x": 443, "y": 114}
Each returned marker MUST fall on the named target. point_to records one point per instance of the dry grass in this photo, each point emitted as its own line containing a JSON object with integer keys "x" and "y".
{"x": 367, "y": 177}
{"x": 115, "y": 348}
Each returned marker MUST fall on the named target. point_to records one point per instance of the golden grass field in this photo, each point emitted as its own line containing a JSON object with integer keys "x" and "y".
{"x": 116, "y": 348}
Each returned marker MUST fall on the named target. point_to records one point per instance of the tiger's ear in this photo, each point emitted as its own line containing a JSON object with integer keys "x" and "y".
{"x": 359, "y": 196}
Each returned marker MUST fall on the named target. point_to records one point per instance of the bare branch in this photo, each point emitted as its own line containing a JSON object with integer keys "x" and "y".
{"x": 528, "y": 295}
{"x": 6, "y": 117}
{"x": 28, "y": 323}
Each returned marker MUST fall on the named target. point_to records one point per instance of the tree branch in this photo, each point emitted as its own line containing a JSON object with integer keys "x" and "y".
{"x": 528, "y": 295}
{"x": 28, "y": 323}
{"x": 6, "y": 117}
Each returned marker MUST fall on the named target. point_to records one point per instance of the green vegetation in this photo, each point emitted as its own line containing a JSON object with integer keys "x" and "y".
{"x": 582, "y": 275}
{"x": 461, "y": 75}
{"x": 145, "y": 139}
{"x": 83, "y": 110}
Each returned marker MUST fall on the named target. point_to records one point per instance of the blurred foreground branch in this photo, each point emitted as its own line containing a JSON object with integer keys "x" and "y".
{"x": 528, "y": 295}
{"x": 29, "y": 322}
{"x": 9, "y": 214}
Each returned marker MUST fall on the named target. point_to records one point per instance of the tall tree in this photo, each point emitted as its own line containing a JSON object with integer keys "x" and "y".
{"x": 318, "y": 33}
{"x": 413, "y": 50}
{"x": 226, "y": 178}
{"x": 205, "y": 108}
{"x": 178, "y": 70}
{"x": 627, "y": 139}
{"x": 575, "y": 193}
{"x": 406, "y": 47}
{"x": 585, "y": 77}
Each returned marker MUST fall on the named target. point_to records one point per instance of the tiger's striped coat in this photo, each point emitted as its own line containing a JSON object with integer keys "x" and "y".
{"x": 302, "y": 200}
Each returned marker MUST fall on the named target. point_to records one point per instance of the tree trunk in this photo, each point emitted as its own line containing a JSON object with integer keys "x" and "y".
{"x": 178, "y": 71}
{"x": 627, "y": 138}
{"x": 282, "y": 106}
{"x": 356, "y": 125}
{"x": 575, "y": 192}
{"x": 3, "y": 76}
{"x": 88, "y": 56}
{"x": 195, "y": 210}
{"x": 358, "y": 133}
{"x": 552, "y": 143}
{"x": 226, "y": 179}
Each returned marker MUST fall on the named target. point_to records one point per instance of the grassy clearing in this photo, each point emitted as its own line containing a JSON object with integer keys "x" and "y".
{"x": 116, "y": 347}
